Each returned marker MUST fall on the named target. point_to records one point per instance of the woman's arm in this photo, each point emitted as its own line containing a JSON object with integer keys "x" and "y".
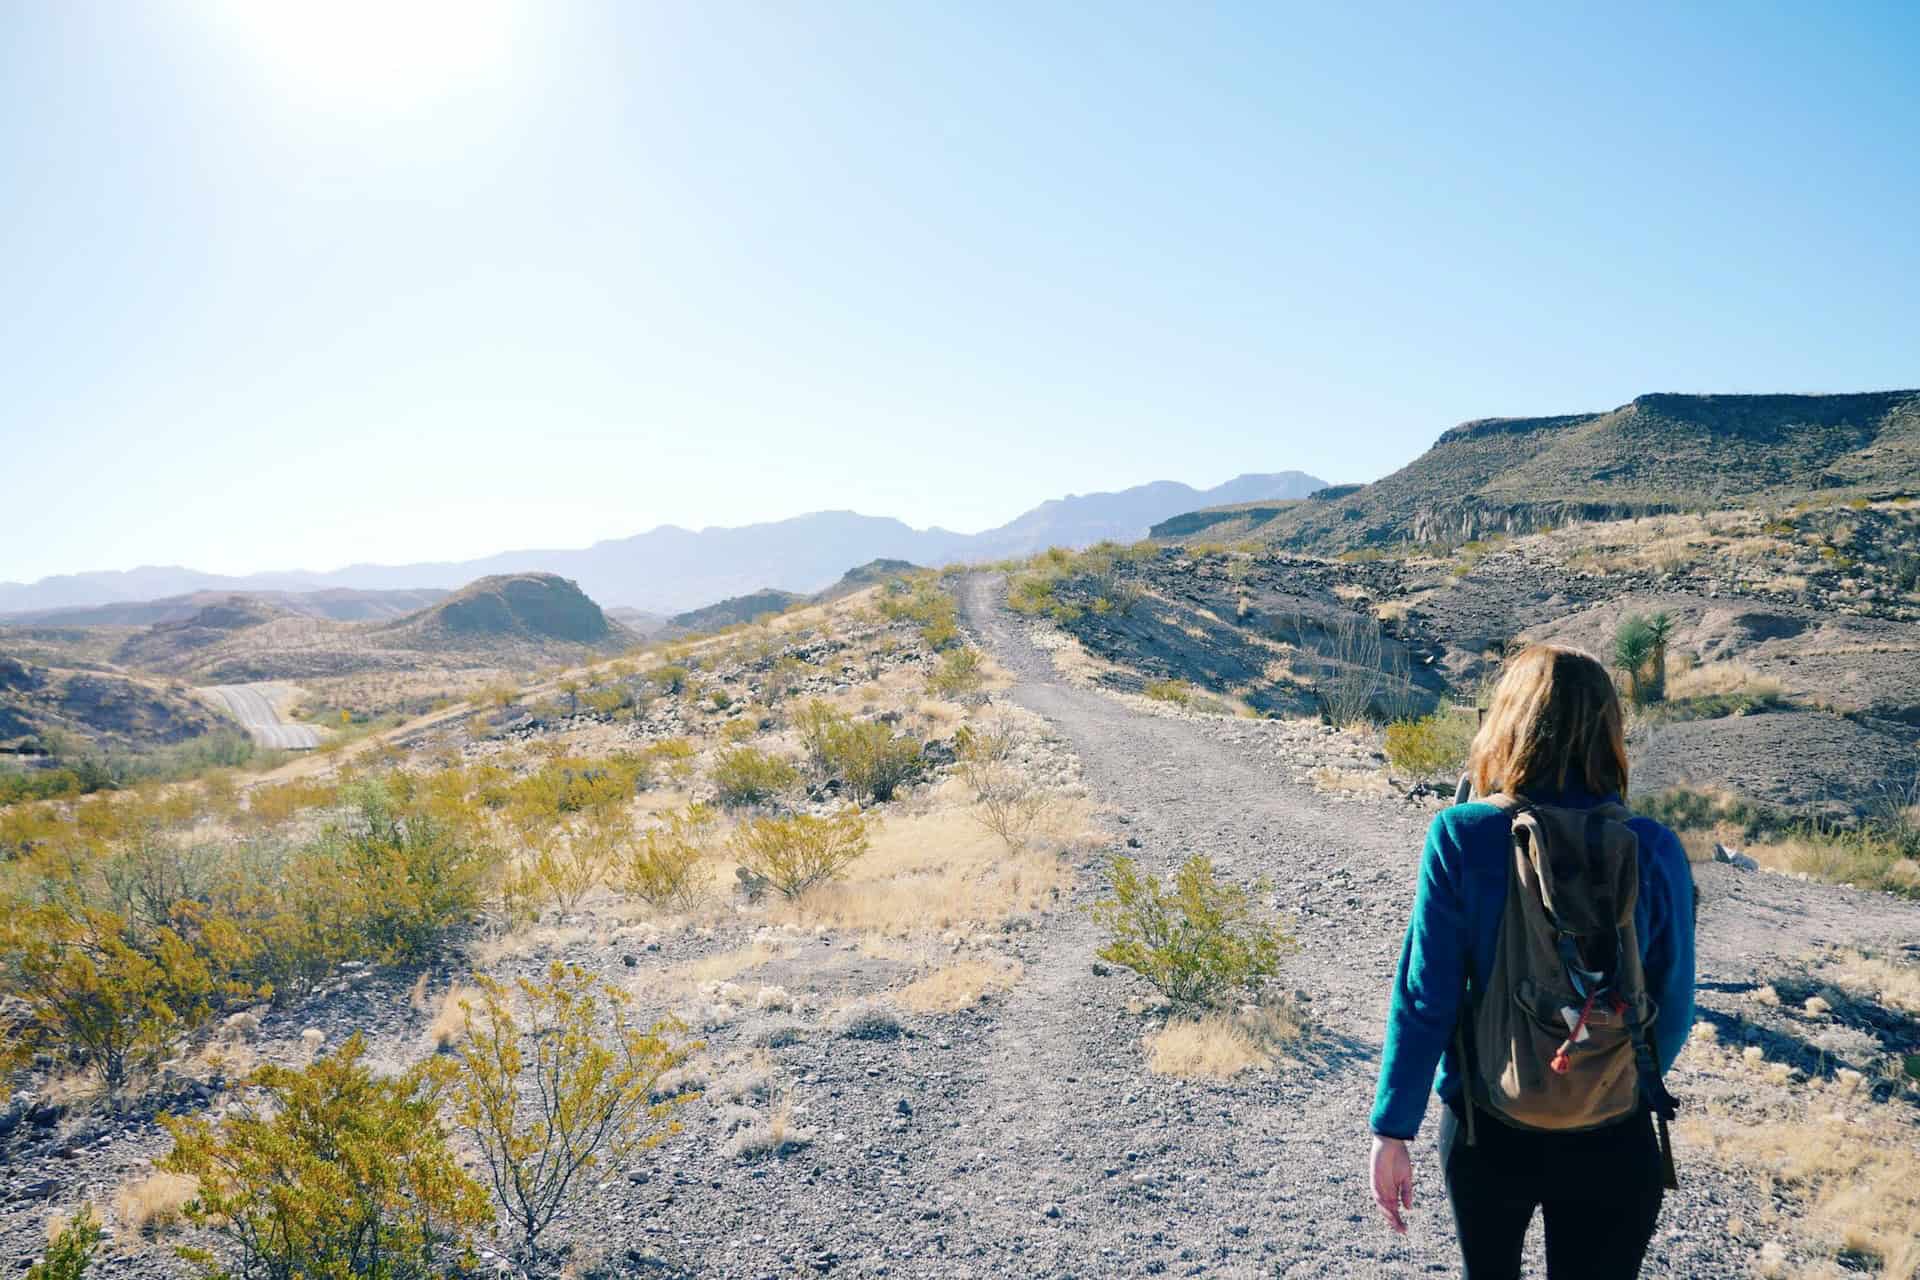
{"x": 1670, "y": 945}
{"x": 1426, "y": 989}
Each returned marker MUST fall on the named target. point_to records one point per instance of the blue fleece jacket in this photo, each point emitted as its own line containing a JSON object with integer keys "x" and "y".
{"x": 1456, "y": 916}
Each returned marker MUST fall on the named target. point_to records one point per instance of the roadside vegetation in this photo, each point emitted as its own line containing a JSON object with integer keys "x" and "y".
{"x": 829, "y": 768}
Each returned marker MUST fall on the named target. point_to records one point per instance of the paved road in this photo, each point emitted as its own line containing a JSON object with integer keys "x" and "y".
{"x": 253, "y": 706}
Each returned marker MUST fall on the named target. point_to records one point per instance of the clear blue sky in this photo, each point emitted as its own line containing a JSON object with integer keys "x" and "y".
{"x": 292, "y": 287}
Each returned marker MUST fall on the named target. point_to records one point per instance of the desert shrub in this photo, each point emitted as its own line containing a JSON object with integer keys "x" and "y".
{"x": 70, "y": 1251}
{"x": 547, "y": 1097}
{"x": 98, "y": 991}
{"x": 413, "y": 877}
{"x": 607, "y": 701}
{"x": 795, "y": 854}
{"x": 1178, "y": 692}
{"x": 925, "y": 604}
{"x": 816, "y": 724}
{"x": 1194, "y": 942}
{"x": 867, "y": 756}
{"x": 571, "y": 784}
{"x": 1357, "y": 676}
{"x": 1433, "y": 746}
{"x": 331, "y": 1171}
{"x": 673, "y": 757}
{"x": 957, "y": 673}
{"x": 747, "y": 776}
{"x": 1008, "y": 801}
{"x": 662, "y": 865}
{"x": 671, "y": 678}
{"x": 1031, "y": 594}
{"x": 572, "y": 864}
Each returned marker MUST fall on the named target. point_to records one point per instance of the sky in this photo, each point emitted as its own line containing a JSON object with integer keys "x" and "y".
{"x": 294, "y": 286}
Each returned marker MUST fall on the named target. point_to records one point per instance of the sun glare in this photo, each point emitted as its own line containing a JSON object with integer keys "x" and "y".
{"x": 375, "y": 58}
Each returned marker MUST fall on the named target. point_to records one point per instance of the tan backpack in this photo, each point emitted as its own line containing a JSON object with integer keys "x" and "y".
{"x": 1559, "y": 1038}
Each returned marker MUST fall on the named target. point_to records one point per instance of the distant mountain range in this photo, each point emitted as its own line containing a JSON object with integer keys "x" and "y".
{"x": 670, "y": 570}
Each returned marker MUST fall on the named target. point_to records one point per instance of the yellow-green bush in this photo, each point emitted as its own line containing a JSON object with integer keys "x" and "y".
{"x": 70, "y": 1251}
{"x": 958, "y": 672}
{"x": 795, "y": 854}
{"x": 1432, "y": 746}
{"x": 1178, "y": 692}
{"x": 662, "y": 865}
{"x": 747, "y": 776}
{"x": 1196, "y": 941}
{"x": 592, "y": 1104}
{"x": 334, "y": 1173}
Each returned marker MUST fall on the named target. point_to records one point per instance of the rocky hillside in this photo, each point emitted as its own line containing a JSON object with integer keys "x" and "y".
{"x": 521, "y": 606}
{"x": 1796, "y": 633}
{"x": 41, "y": 707}
{"x": 1659, "y": 453}
{"x": 735, "y": 610}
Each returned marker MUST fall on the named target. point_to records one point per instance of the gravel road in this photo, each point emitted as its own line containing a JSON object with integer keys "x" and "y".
{"x": 253, "y": 706}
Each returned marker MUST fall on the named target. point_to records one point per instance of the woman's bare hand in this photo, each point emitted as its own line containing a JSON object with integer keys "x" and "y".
{"x": 1392, "y": 1179}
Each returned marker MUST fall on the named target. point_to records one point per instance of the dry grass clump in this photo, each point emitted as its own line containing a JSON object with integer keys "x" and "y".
{"x": 934, "y": 870}
{"x": 1876, "y": 977}
{"x": 960, "y": 985}
{"x": 449, "y": 1022}
{"x": 155, "y": 1204}
{"x": 1220, "y": 1045}
{"x": 775, "y": 1134}
{"x": 1719, "y": 679}
{"x": 1213, "y": 1047}
{"x": 1853, "y": 1170}
{"x": 1355, "y": 782}
{"x": 726, "y": 965}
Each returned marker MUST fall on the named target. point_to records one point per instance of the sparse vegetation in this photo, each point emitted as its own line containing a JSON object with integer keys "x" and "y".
{"x": 334, "y": 1171}
{"x": 796, "y": 853}
{"x": 547, "y": 1096}
{"x": 1194, "y": 941}
{"x": 662, "y": 865}
{"x": 70, "y": 1250}
{"x": 1432, "y": 746}
{"x": 745, "y": 776}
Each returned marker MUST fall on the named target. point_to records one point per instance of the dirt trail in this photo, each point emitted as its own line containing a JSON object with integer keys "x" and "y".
{"x": 1264, "y": 1177}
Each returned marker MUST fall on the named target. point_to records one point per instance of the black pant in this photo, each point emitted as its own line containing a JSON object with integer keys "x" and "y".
{"x": 1599, "y": 1192}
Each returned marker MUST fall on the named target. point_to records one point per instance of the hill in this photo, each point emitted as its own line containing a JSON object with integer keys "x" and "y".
{"x": 44, "y": 707}
{"x": 341, "y": 604}
{"x": 1656, "y": 454}
{"x": 505, "y": 620}
{"x": 735, "y": 609}
{"x": 670, "y": 569}
{"x": 534, "y": 607}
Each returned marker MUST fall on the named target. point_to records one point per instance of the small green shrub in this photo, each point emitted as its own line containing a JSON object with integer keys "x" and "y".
{"x": 662, "y": 866}
{"x": 1194, "y": 942}
{"x": 671, "y": 678}
{"x": 795, "y": 854}
{"x": 958, "y": 673}
{"x": 548, "y": 1097}
{"x": 332, "y": 1172}
{"x": 1178, "y": 692}
{"x": 746, "y": 775}
{"x": 867, "y": 756}
{"x": 71, "y": 1250}
{"x": 1432, "y": 746}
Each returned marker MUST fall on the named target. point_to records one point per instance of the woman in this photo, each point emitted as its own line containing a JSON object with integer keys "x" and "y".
{"x": 1553, "y": 736}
